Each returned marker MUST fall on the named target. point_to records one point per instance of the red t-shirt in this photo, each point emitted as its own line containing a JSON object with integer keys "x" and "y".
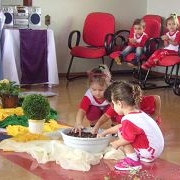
{"x": 111, "y": 113}
{"x": 135, "y": 135}
{"x": 141, "y": 40}
{"x": 147, "y": 105}
{"x": 86, "y": 103}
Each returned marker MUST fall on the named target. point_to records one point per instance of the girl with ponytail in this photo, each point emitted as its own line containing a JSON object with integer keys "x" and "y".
{"x": 138, "y": 134}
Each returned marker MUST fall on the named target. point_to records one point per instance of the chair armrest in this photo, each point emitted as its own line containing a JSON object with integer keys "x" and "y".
{"x": 118, "y": 40}
{"x": 107, "y": 43}
{"x": 78, "y": 36}
{"x": 123, "y": 33}
{"x": 152, "y": 45}
{"x": 179, "y": 50}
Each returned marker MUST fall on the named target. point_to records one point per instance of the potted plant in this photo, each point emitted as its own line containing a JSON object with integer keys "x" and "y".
{"x": 36, "y": 108}
{"x": 9, "y": 92}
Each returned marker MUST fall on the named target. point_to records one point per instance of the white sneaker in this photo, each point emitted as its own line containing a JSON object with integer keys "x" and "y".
{"x": 146, "y": 160}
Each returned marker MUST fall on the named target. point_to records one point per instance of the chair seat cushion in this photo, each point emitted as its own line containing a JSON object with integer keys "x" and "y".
{"x": 114, "y": 54}
{"x": 130, "y": 57}
{"x": 169, "y": 61}
{"x": 88, "y": 52}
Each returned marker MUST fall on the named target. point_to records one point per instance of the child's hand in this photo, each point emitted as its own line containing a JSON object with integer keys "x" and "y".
{"x": 164, "y": 38}
{"x": 132, "y": 40}
{"x": 78, "y": 128}
{"x": 94, "y": 130}
{"x": 101, "y": 135}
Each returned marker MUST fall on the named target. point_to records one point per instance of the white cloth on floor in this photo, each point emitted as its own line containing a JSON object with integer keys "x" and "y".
{"x": 111, "y": 153}
{"x": 54, "y": 150}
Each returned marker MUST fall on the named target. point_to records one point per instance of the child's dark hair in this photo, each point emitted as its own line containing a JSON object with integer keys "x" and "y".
{"x": 101, "y": 75}
{"x": 139, "y": 22}
{"x": 173, "y": 17}
{"x": 107, "y": 92}
{"x": 127, "y": 92}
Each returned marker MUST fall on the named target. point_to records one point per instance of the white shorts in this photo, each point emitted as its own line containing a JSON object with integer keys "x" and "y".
{"x": 148, "y": 153}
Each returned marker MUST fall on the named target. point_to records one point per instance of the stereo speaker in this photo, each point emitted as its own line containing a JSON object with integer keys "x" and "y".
{"x": 34, "y": 17}
{"x": 8, "y": 12}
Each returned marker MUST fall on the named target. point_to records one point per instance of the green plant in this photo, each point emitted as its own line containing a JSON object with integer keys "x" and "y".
{"x": 9, "y": 88}
{"x": 36, "y": 106}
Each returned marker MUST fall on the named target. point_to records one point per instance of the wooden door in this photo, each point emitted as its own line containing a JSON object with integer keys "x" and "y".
{"x": 27, "y": 2}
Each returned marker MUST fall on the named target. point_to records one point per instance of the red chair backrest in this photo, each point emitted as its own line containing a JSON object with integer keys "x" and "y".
{"x": 153, "y": 16}
{"x": 153, "y": 28}
{"x": 153, "y": 25}
{"x": 96, "y": 26}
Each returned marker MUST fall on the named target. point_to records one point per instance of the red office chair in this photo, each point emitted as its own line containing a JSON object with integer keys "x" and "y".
{"x": 153, "y": 29}
{"x": 169, "y": 63}
{"x": 98, "y": 28}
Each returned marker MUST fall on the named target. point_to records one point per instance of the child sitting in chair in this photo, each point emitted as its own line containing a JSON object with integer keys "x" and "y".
{"x": 137, "y": 40}
{"x": 171, "y": 43}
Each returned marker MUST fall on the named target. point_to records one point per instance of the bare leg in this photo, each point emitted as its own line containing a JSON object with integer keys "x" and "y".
{"x": 128, "y": 149}
{"x": 118, "y": 60}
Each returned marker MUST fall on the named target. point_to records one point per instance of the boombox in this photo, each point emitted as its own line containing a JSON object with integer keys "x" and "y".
{"x": 34, "y": 17}
{"x": 22, "y": 17}
{"x": 8, "y": 12}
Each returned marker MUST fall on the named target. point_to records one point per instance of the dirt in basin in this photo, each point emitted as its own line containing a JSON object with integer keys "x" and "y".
{"x": 82, "y": 135}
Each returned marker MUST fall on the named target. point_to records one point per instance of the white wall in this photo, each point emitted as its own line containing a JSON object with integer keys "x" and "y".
{"x": 11, "y": 2}
{"x": 68, "y": 15}
{"x": 163, "y": 8}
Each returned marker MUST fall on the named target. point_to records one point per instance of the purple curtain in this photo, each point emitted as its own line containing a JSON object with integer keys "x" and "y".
{"x": 33, "y": 56}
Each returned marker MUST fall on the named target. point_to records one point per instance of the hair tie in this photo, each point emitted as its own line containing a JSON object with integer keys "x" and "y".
{"x": 100, "y": 67}
{"x": 174, "y": 15}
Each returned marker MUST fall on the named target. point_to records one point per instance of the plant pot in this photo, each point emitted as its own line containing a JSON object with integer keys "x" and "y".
{"x": 36, "y": 126}
{"x": 9, "y": 101}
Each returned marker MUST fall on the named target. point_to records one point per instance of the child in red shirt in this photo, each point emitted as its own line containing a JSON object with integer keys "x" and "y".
{"x": 138, "y": 134}
{"x": 150, "y": 104}
{"x": 137, "y": 40}
{"x": 171, "y": 43}
{"x": 93, "y": 104}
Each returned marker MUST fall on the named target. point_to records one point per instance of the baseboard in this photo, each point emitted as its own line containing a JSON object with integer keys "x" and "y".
{"x": 73, "y": 74}
{"x": 116, "y": 72}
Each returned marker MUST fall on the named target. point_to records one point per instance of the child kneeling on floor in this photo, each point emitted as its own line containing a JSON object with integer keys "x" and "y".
{"x": 139, "y": 135}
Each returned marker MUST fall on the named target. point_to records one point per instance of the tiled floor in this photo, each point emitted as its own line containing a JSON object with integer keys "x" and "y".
{"x": 21, "y": 166}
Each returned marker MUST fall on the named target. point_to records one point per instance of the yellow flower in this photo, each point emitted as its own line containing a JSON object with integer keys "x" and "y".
{"x": 6, "y": 81}
{"x": 10, "y": 111}
{"x": 52, "y": 125}
{"x": 8, "y": 88}
{"x": 29, "y": 137}
{"x": 15, "y": 130}
{"x": 21, "y": 133}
